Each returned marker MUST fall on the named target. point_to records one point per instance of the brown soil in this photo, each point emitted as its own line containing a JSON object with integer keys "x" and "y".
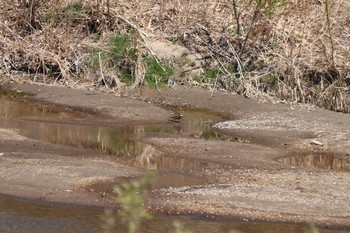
{"x": 255, "y": 186}
{"x": 50, "y": 173}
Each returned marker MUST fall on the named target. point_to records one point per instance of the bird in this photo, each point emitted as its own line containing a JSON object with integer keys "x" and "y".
{"x": 176, "y": 117}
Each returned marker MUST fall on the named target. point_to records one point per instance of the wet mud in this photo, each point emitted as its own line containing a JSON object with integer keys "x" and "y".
{"x": 229, "y": 170}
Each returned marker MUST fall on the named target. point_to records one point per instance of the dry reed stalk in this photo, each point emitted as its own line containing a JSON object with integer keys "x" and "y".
{"x": 139, "y": 70}
{"x": 302, "y": 47}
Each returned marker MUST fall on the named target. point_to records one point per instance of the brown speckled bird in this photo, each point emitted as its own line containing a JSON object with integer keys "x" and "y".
{"x": 176, "y": 117}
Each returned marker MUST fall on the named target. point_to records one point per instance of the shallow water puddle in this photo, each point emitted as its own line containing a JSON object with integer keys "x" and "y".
{"x": 41, "y": 123}
{"x": 161, "y": 180}
{"x": 24, "y": 217}
{"x": 14, "y": 106}
{"x": 321, "y": 161}
{"x": 117, "y": 143}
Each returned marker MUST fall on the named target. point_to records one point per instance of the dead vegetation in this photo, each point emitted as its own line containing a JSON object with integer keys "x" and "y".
{"x": 296, "y": 50}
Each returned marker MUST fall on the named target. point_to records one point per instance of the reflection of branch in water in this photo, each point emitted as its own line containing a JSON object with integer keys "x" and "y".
{"x": 149, "y": 158}
{"x": 139, "y": 129}
{"x": 327, "y": 162}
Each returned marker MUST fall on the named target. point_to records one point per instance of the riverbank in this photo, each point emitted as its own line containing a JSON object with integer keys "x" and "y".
{"x": 257, "y": 185}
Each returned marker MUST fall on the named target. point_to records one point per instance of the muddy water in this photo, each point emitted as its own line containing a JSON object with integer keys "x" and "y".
{"x": 321, "y": 161}
{"x": 48, "y": 124}
{"x": 24, "y": 217}
{"x": 54, "y": 125}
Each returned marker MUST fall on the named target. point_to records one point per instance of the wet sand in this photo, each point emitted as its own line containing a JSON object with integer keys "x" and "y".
{"x": 255, "y": 186}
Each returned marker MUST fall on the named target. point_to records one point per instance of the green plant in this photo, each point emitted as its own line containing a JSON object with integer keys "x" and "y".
{"x": 120, "y": 46}
{"x": 157, "y": 73}
{"x": 176, "y": 38}
{"x": 119, "y": 59}
{"x": 269, "y": 6}
{"x": 46, "y": 17}
{"x": 109, "y": 221}
{"x": 207, "y": 134}
{"x": 182, "y": 74}
{"x": 131, "y": 197}
{"x": 271, "y": 81}
{"x": 123, "y": 57}
{"x": 126, "y": 59}
{"x": 74, "y": 10}
{"x": 192, "y": 64}
{"x": 211, "y": 73}
{"x": 313, "y": 228}
{"x": 96, "y": 55}
{"x": 179, "y": 228}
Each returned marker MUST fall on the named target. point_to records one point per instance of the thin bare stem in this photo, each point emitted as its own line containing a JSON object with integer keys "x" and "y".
{"x": 329, "y": 30}
{"x": 236, "y": 15}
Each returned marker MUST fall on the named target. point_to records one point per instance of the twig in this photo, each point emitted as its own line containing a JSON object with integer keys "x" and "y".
{"x": 139, "y": 71}
{"x": 214, "y": 87}
{"x": 236, "y": 15}
{"x": 101, "y": 71}
{"x": 328, "y": 20}
{"x": 256, "y": 12}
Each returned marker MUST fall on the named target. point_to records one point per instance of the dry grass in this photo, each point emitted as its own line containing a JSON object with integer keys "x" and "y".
{"x": 47, "y": 51}
{"x": 299, "y": 52}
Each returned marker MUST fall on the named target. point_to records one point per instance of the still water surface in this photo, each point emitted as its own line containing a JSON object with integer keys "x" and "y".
{"x": 318, "y": 161}
{"x": 25, "y": 217}
{"x": 41, "y": 123}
